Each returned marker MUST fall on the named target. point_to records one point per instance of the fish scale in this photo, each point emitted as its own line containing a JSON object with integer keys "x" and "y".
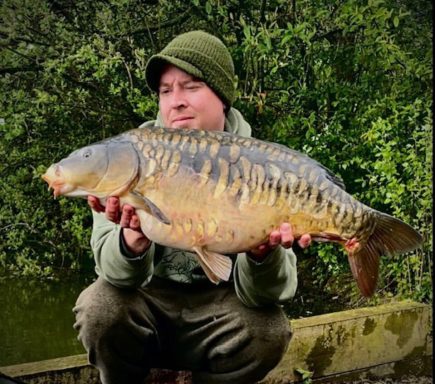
{"x": 215, "y": 193}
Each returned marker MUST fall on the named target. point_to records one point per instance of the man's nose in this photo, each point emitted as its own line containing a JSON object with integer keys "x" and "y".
{"x": 178, "y": 99}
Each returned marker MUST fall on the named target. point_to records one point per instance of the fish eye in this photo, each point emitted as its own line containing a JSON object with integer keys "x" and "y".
{"x": 87, "y": 154}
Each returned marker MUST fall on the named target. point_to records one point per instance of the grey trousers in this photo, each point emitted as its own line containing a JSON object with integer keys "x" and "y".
{"x": 201, "y": 328}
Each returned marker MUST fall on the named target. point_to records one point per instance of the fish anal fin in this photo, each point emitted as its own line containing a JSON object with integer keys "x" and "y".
{"x": 217, "y": 267}
{"x": 325, "y": 237}
{"x": 334, "y": 178}
{"x": 364, "y": 264}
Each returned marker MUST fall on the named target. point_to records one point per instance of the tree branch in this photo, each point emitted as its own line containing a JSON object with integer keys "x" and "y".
{"x": 12, "y": 70}
{"x": 22, "y": 39}
{"x": 178, "y": 20}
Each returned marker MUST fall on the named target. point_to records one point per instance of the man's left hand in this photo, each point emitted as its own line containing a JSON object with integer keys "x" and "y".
{"x": 282, "y": 236}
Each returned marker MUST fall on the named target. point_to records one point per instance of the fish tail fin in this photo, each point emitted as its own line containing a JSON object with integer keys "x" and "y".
{"x": 217, "y": 267}
{"x": 390, "y": 236}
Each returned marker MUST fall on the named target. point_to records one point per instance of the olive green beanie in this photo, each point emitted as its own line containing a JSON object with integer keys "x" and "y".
{"x": 201, "y": 55}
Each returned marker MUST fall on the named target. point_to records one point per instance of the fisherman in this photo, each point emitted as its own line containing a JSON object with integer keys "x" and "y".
{"x": 152, "y": 306}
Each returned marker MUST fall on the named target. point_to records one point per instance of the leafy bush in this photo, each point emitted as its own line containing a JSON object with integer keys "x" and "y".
{"x": 347, "y": 82}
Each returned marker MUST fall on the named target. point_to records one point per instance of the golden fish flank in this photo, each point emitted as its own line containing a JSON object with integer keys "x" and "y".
{"x": 234, "y": 153}
{"x": 159, "y": 153}
{"x": 236, "y": 183}
{"x": 165, "y": 160}
{"x": 214, "y": 149}
{"x": 174, "y": 164}
{"x": 222, "y": 182}
{"x": 215, "y": 193}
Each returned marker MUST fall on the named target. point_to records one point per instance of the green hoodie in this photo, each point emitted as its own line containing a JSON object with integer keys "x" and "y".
{"x": 256, "y": 284}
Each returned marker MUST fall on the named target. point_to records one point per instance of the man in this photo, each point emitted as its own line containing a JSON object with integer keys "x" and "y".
{"x": 152, "y": 306}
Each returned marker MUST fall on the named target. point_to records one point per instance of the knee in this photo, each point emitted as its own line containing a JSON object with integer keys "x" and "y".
{"x": 273, "y": 341}
{"x": 256, "y": 345}
{"x": 270, "y": 344}
{"x": 116, "y": 330}
{"x": 100, "y": 310}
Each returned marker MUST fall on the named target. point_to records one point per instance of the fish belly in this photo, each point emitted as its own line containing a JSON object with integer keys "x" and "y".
{"x": 198, "y": 218}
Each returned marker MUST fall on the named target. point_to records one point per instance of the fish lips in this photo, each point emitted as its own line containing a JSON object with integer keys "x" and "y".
{"x": 55, "y": 180}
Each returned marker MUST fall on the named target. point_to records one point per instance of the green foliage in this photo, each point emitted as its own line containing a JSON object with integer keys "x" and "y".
{"x": 347, "y": 82}
{"x": 306, "y": 376}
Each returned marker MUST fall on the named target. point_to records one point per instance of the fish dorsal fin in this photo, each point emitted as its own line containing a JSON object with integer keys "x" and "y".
{"x": 148, "y": 206}
{"x": 310, "y": 161}
{"x": 333, "y": 177}
{"x": 217, "y": 267}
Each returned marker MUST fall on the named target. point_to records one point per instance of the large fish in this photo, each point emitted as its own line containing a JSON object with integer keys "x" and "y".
{"x": 216, "y": 193}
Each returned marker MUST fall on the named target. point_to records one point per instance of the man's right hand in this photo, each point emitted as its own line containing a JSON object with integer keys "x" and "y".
{"x": 135, "y": 240}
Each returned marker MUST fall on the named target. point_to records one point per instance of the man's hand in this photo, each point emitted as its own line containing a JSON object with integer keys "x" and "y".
{"x": 126, "y": 217}
{"x": 283, "y": 236}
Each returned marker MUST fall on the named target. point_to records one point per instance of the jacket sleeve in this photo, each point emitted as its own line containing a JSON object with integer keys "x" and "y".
{"x": 272, "y": 281}
{"x": 112, "y": 259}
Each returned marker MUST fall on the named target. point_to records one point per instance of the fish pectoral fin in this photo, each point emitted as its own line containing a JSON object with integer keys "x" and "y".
{"x": 148, "y": 206}
{"x": 217, "y": 267}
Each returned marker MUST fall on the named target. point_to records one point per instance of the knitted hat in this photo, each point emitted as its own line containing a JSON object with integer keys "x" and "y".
{"x": 201, "y": 55}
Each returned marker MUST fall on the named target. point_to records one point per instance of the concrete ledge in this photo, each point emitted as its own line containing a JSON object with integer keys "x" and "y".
{"x": 390, "y": 340}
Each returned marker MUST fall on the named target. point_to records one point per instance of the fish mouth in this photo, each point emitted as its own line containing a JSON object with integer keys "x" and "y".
{"x": 58, "y": 186}
{"x": 55, "y": 180}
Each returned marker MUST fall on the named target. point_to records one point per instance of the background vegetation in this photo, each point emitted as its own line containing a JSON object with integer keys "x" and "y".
{"x": 349, "y": 82}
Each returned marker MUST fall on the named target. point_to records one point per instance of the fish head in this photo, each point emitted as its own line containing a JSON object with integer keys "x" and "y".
{"x": 102, "y": 170}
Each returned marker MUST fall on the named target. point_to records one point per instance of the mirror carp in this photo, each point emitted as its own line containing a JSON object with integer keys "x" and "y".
{"x": 216, "y": 193}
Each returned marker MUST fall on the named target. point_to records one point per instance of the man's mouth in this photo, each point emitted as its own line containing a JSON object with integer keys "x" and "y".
{"x": 182, "y": 118}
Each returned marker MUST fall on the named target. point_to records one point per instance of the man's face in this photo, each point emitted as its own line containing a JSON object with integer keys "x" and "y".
{"x": 186, "y": 102}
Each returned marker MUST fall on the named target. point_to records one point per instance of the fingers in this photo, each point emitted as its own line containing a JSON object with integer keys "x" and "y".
{"x": 304, "y": 241}
{"x": 274, "y": 239}
{"x": 126, "y": 216}
{"x": 112, "y": 209}
{"x": 135, "y": 223}
{"x": 283, "y": 236}
{"x": 129, "y": 218}
{"x": 94, "y": 203}
{"x": 286, "y": 235}
{"x": 258, "y": 254}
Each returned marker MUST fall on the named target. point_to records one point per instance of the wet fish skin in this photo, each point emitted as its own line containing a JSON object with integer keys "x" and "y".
{"x": 222, "y": 193}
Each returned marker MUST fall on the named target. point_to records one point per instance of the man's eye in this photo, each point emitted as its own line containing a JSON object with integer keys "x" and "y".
{"x": 192, "y": 85}
{"x": 164, "y": 91}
